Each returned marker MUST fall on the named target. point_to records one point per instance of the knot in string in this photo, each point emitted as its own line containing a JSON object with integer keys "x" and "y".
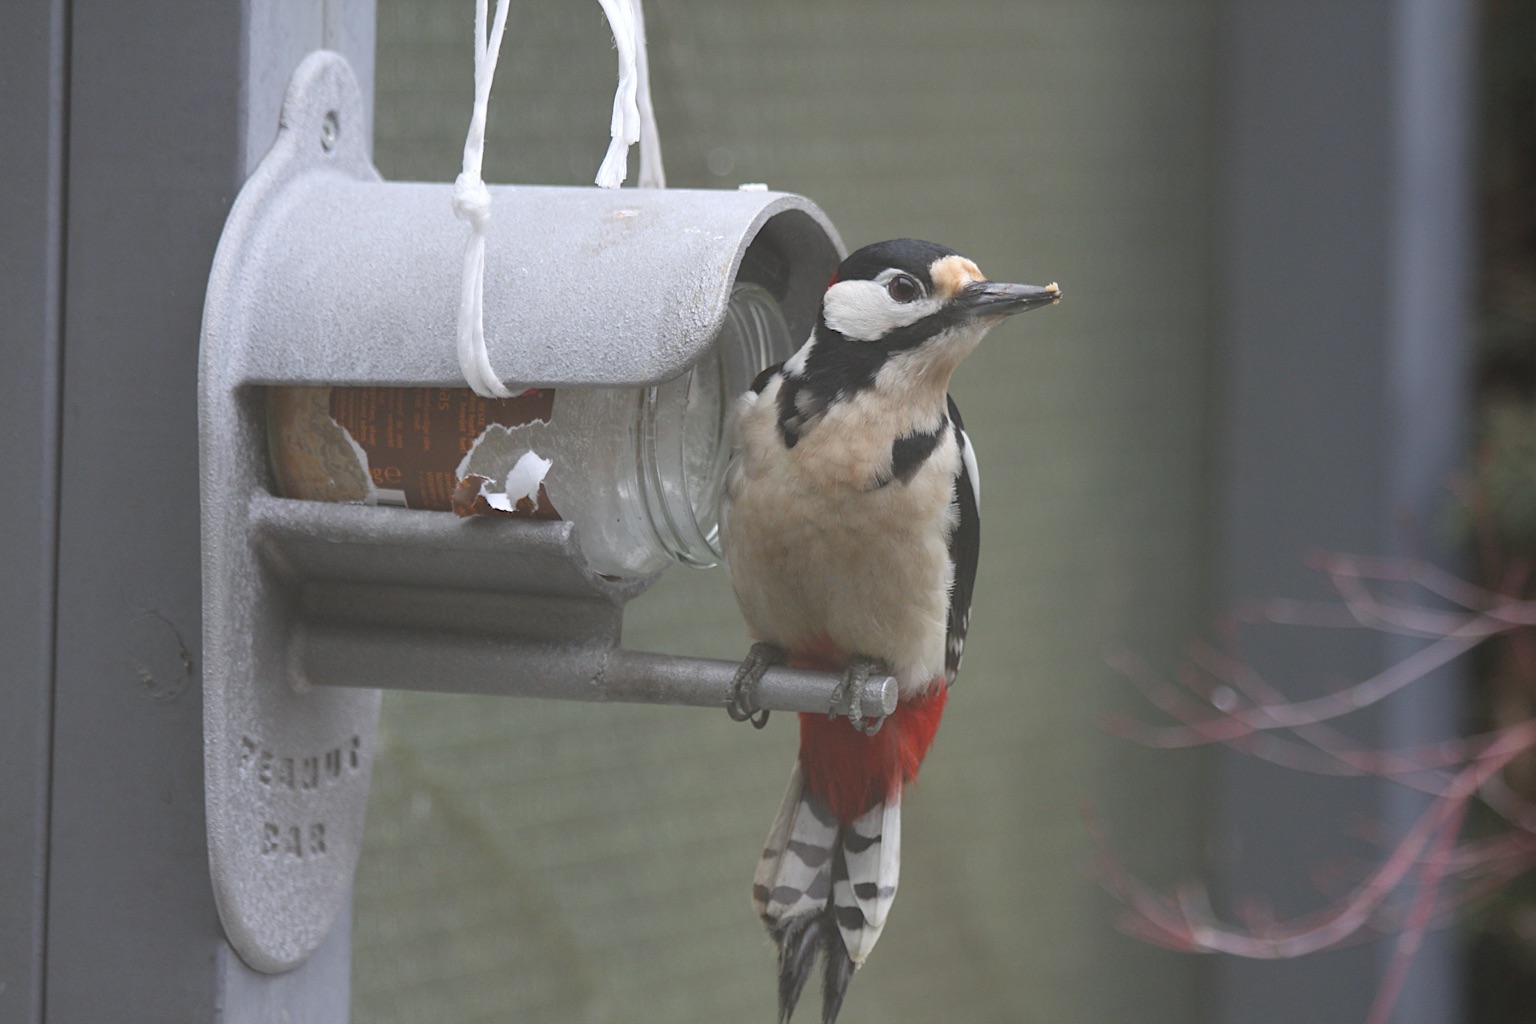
{"x": 472, "y": 201}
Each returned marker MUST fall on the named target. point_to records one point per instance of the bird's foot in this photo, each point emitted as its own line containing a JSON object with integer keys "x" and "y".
{"x": 743, "y": 706}
{"x": 848, "y": 698}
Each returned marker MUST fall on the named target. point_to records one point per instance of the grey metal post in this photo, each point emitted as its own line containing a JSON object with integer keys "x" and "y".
{"x": 1346, "y": 277}
{"x": 31, "y": 210}
{"x": 126, "y": 133}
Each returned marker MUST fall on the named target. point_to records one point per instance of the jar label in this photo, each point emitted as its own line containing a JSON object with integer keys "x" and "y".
{"x": 395, "y": 446}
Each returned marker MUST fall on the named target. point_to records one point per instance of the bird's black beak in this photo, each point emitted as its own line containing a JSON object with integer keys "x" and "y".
{"x": 988, "y": 299}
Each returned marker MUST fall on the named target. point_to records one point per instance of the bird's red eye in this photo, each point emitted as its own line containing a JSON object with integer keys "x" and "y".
{"x": 903, "y": 288}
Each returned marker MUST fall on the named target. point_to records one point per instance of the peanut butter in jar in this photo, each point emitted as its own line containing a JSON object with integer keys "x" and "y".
{"x": 407, "y": 447}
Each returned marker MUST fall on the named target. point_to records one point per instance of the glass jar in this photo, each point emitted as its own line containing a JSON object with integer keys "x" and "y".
{"x": 638, "y": 470}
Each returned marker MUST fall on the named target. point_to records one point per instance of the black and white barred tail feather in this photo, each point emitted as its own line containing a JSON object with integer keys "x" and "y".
{"x": 822, "y": 887}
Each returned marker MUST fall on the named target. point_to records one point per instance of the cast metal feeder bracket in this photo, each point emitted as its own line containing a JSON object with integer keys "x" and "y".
{"x": 325, "y": 274}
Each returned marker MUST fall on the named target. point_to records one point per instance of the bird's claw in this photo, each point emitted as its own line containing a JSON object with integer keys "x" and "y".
{"x": 743, "y": 704}
{"x": 849, "y": 695}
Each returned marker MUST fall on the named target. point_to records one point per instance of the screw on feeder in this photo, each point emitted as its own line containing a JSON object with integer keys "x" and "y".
{"x": 330, "y": 130}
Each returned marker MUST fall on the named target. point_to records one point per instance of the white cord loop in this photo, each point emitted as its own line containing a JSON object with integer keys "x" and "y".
{"x": 633, "y": 121}
{"x": 472, "y": 203}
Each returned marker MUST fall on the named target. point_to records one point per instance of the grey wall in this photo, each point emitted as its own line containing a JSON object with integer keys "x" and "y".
{"x": 123, "y": 138}
{"x": 31, "y": 208}
{"x": 1345, "y": 257}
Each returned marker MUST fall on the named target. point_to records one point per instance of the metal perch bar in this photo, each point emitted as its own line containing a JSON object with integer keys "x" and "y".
{"x": 449, "y": 663}
{"x": 399, "y": 600}
{"x": 636, "y": 678}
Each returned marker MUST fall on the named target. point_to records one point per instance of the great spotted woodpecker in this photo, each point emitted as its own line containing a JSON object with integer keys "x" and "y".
{"x": 851, "y": 528}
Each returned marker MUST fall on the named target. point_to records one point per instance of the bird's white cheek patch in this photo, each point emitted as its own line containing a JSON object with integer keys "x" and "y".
{"x": 863, "y": 311}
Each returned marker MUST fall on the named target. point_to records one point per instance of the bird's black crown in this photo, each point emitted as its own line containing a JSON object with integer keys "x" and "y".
{"x": 911, "y": 255}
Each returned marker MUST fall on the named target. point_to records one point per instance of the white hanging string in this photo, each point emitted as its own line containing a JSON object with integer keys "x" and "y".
{"x": 472, "y": 203}
{"x": 633, "y": 118}
{"x": 652, "y": 175}
{"x": 633, "y": 121}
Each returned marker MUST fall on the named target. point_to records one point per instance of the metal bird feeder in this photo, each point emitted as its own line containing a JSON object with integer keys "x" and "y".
{"x": 327, "y": 276}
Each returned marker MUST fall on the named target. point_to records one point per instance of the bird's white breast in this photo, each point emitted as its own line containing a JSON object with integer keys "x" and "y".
{"x": 817, "y": 548}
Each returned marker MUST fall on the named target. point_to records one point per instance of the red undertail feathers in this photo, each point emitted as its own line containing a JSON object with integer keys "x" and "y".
{"x": 853, "y": 772}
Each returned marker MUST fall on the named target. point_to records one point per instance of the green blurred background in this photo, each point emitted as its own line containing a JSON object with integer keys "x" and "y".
{"x": 538, "y": 861}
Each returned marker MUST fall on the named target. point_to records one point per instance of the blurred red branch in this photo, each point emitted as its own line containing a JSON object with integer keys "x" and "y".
{"x": 1221, "y": 698}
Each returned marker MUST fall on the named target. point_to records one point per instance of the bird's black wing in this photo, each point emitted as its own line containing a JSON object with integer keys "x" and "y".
{"x": 964, "y": 547}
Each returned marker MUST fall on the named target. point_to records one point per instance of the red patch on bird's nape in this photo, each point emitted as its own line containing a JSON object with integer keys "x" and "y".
{"x": 833, "y": 281}
{"x": 853, "y": 772}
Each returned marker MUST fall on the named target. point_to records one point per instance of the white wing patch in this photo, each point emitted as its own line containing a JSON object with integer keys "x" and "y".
{"x": 968, "y": 454}
{"x": 794, "y": 366}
